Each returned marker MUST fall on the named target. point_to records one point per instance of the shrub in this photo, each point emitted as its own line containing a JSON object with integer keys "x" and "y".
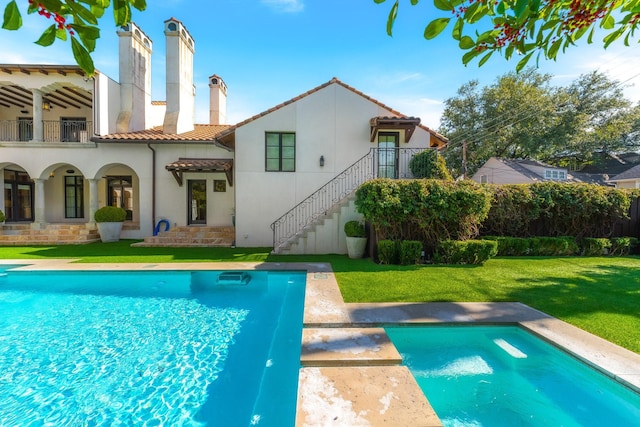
{"x": 410, "y": 252}
{"x": 553, "y": 246}
{"x": 465, "y": 252}
{"x": 621, "y": 245}
{"x": 354, "y": 229}
{"x": 388, "y": 252}
{"x": 2, "y": 217}
{"x": 511, "y": 246}
{"x": 429, "y": 164}
{"x": 110, "y": 214}
{"x": 595, "y": 247}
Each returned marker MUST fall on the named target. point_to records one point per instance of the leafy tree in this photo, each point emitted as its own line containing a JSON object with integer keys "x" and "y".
{"x": 511, "y": 118}
{"x": 527, "y": 27}
{"x": 76, "y": 20}
{"x": 595, "y": 117}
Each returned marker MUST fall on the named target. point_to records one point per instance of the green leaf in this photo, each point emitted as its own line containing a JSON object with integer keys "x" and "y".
{"x": 88, "y": 35}
{"x": 610, "y": 38}
{"x": 121, "y": 12}
{"x": 79, "y": 11}
{"x": 485, "y": 58}
{"x": 523, "y": 62}
{"x": 82, "y": 57}
{"x": 435, "y": 27}
{"x": 48, "y": 36}
{"x": 443, "y": 5}
{"x": 142, "y": 4}
{"x": 501, "y": 8}
{"x": 61, "y": 34}
{"x": 466, "y": 42}
{"x": 12, "y": 17}
{"x": 379, "y": 1}
{"x": 414, "y": 2}
{"x": 608, "y": 22}
{"x": 393, "y": 13}
{"x": 467, "y": 57}
{"x": 590, "y": 38}
{"x": 457, "y": 29}
{"x": 552, "y": 52}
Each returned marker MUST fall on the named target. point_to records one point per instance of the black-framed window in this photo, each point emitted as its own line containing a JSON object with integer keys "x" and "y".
{"x": 74, "y": 197}
{"x": 280, "y": 151}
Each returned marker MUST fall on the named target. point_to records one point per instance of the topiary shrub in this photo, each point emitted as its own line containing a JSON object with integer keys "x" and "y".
{"x": 410, "y": 252}
{"x": 354, "y": 229}
{"x": 110, "y": 214}
{"x": 2, "y": 217}
{"x": 388, "y": 252}
{"x": 465, "y": 251}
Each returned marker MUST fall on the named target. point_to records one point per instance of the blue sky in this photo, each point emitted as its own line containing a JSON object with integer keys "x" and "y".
{"x": 269, "y": 51}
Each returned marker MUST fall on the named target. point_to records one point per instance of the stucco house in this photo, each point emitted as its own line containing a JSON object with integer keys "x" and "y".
{"x": 518, "y": 171}
{"x": 283, "y": 178}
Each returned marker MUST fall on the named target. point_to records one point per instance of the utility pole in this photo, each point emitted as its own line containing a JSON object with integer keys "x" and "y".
{"x": 464, "y": 159}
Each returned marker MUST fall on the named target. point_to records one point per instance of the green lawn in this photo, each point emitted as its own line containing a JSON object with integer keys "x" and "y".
{"x": 600, "y": 295}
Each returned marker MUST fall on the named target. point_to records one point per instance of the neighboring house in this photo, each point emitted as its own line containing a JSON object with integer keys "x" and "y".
{"x": 627, "y": 179}
{"x": 507, "y": 171}
{"x": 283, "y": 178}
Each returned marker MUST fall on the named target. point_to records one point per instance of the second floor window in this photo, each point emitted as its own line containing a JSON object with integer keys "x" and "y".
{"x": 280, "y": 149}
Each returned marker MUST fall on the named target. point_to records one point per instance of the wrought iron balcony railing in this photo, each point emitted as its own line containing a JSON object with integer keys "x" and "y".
{"x": 53, "y": 130}
{"x": 377, "y": 163}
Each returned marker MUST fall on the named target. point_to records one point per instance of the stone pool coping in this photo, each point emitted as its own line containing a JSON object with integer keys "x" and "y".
{"x": 351, "y": 372}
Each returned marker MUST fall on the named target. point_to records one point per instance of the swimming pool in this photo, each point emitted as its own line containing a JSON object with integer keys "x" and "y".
{"x": 149, "y": 347}
{"x": 504, "y": 376}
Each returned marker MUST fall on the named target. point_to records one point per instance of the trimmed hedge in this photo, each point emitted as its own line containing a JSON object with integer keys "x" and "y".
{"x": 388, "y": 252}
{"x": 429, "y": 164}
{"x": 405, "y": 252}
{"x": 465, "y": 252}
{"x": 410, "y": 252}
{"x": 427, "y": 210}
{"x": 595, "y": 247}
{"x": 110, "y": 214}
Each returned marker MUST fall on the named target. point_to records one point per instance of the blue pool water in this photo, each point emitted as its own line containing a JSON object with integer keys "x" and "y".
{"x": 153, "y": 348}
{"x": 504, "y": 376}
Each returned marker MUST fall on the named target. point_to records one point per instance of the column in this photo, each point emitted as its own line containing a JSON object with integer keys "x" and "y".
{"x": 93, "y": 199}
{"x": 38, "y": 127}
{"x": 39, "y": 208}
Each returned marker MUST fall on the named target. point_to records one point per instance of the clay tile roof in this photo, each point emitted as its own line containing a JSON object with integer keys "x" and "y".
{"x": 158, "y": 102}
{"x": 199, "y": 134}
{"x": 334, "y": 80}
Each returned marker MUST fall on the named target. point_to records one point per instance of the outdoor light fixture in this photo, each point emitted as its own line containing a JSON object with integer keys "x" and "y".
{"x": 321, "y": 161}
{"x": 46, "y": 105}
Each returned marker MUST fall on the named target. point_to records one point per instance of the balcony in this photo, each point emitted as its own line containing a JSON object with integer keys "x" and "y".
{"x": 53, "y": 130}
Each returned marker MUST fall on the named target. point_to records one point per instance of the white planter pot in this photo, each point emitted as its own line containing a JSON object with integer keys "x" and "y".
{"x": 109, "y": 231}
{"x": 356, "y": 246}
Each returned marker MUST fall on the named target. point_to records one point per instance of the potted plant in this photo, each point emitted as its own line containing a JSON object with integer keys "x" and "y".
{"x": 109, "y": 220}
{"x": 356, "y": 238}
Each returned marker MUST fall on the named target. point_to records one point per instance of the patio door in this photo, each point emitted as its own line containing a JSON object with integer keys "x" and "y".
{"x": 18, "y": 196}
{"x": 197, "y": 201}
{"x": 120, "y": 194}
{"x": 388, "y": 143}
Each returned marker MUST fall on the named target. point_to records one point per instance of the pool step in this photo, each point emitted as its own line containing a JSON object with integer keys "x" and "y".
{"x": 347, "y": 347}
{"x": 192, "y": 236}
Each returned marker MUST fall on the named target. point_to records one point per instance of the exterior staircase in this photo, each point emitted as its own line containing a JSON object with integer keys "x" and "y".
{"x": 192, "y": 236}
{"x": 51, "y": 234}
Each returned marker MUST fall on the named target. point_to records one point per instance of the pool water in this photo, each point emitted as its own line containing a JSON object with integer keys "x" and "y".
{"x": 152, "y": 348}
{"x": 504, "y": 376}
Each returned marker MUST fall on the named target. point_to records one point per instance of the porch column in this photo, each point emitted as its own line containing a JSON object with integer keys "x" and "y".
{"x": 38, "y": 127}
{"x": 93, "y": 198}
{"x": 38, "y": 208}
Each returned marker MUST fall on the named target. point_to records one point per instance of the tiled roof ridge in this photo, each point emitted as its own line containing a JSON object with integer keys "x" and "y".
{"x": 333, "y": 80}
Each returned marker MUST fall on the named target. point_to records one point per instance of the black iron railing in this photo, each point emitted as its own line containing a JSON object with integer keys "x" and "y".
{"x": 377, "y": 163}
{"x": 53, "y": 130}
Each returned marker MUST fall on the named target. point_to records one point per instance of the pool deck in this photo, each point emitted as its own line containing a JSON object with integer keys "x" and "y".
{"x": 351, "y": 374}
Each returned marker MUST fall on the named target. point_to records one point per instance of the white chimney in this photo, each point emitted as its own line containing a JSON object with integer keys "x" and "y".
{"x": 180, "y": 111}
{"x": 135, "y": 79}
{"x": 217, "y": 101}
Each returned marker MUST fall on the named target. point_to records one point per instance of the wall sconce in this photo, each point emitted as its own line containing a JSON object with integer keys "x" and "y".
{"x": 46, "y": 105}
{"x": 321, "y": 161}
{"x": 52, "y": 174}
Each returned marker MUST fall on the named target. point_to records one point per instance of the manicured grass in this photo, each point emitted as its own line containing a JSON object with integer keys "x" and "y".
{"x": 600, "y": 295}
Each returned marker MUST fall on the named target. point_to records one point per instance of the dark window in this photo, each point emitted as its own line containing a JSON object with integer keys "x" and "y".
{"x": 73, "y": 197}
{"x": 197, "y": 208}
{"x": 120, "y": 193}
{"x": 18, "y": 196}
{"x": 280, "y": 152}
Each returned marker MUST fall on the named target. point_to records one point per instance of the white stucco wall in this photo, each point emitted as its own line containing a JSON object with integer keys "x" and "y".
{"x": 332, "y": 122}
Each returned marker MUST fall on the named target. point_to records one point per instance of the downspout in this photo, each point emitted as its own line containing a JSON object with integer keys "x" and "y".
{"x": 153, "y": 186}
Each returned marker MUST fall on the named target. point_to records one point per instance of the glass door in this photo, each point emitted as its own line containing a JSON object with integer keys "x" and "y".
{"x": 120, "y": 193}
{"x": 18, "y": 196}
{"x": 388, "y": 143}
{"x": 197, "y": 201}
